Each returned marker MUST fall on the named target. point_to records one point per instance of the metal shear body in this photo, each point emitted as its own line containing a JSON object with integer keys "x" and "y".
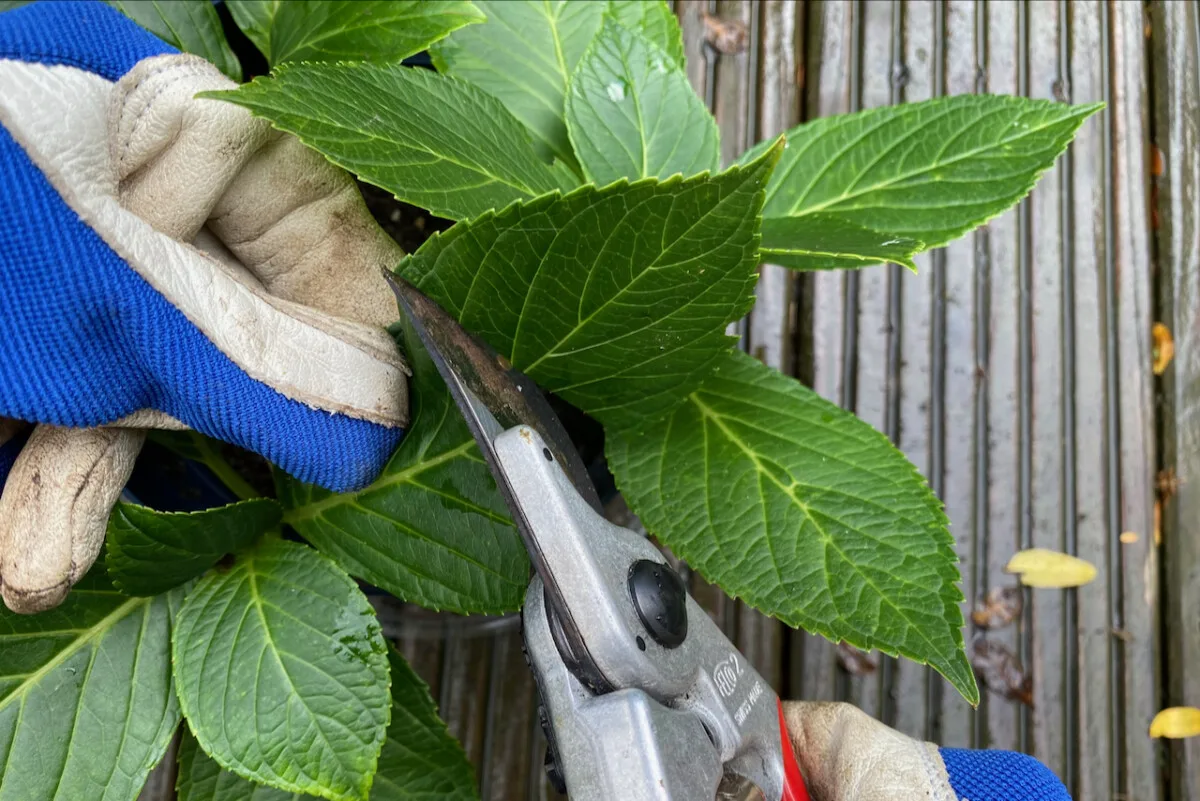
{"x": 644, "y": 697}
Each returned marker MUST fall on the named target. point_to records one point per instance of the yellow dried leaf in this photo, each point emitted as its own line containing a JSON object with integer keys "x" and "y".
{"x": 1129, "y": 537}
{"x": 1039, "y": 567}
{"x": 1176, "y": 721}
{"x": 1164, "y": 347}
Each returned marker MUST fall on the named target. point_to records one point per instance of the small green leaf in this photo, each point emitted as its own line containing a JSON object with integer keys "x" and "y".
{"x": 348, "y": 30}
{"x": 150, "y": 552}
{"x": 804, "y": 511}
{"x": 654, "y": 20}
{"x": 86, "y": 703}
{"x": 187, "y": 25}
{"x": 430, "y": 140}
{"x": 928, "y": 171}
{"x": 420, "y": 758}
{"x": 616, "y": 299}
{"x": 282, "y": 672}
{"x": 827, "y": 242}
{"x": 524, "y": 55}
{"x": 9, "y": 5}
{"x": 631, "y": 112}
{"x": 432, "y": 529}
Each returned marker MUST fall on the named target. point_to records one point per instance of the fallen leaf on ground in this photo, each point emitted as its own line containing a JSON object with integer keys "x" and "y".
{"x": 854, "y": 661}
{"x": 1167, "y": 483}
{"x": 1176, "y": 721}
{"x": 999, "y": 608}
{"x": 728, "y": 36}
{"x": 1129, "y": 537}
{"x": 1001, "y": 671}
{"x": 1164, "y": 347}
{"x": 1039, "y": 567}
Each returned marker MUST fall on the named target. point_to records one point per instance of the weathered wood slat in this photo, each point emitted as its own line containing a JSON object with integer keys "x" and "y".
{"x": 1139, "y": 648}
{"x": 1176, "y": 70}
{"x": 964, "y": 277}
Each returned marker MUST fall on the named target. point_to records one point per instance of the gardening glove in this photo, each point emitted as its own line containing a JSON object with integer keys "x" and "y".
{"x": 167, "y": 261}
{"x": 845, "y": 755}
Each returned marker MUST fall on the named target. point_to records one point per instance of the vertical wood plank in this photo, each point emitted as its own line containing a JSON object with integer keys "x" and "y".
{"x": 1176, "y": 33}
{"x": 1087, "y": 164}
{"x": 909, "y": 689}
{"x": 1001, "y": 536}
{"x": 1134, "y": 315}
{"x": 463, "y": 696}
{"x": 1045, "y": 614}
{"x": 833, "y": 62}
{"x": 955, "y": 723}
{"x": 507, "y": 768}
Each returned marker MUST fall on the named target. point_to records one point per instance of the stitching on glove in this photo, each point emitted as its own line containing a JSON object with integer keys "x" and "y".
{"x": 188, "y": 68}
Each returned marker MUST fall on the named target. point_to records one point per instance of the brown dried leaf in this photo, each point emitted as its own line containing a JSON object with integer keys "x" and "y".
{"x": 1000, "y": 671}
{"x": 1164, "y": 347}
{"x": 1001, "y": 606}
{"x": 854, "y": 661}
{"x": 727, "y": 36}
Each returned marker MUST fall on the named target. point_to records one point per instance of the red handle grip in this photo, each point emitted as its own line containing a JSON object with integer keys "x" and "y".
{"x": 793, "y": 782}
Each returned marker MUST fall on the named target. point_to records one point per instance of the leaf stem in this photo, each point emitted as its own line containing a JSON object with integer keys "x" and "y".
{"x": 214, "y": 461}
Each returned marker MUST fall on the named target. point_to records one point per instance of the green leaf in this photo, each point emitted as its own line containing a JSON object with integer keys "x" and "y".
{"x": 9, "y": 5}
{"x": 420, "y": 758}
{"x": 150, "y": 552}
{"x": 86, "y": 704}
{"x": 631, "y": 112}
{"x": 349, "y": 30}
{"x": 827, "y": 242}
{"x": 524, "y": 55}
{"x": 282, "y": 672}
{"x": 928, "y": 171}
{"x": 430, "y": 140}
{"x": 616, "y": 299}
{"x": 200, "y": 778}
{"x": 432, "y": 529}
{"x": 654, "y": 20}
{"x": 187, "y": 25}
{"x": 804, "y": 511}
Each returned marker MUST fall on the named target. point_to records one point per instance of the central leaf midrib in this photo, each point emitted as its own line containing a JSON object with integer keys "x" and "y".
{"x": 797, "y": 212}
{"x": 623, "y": 291}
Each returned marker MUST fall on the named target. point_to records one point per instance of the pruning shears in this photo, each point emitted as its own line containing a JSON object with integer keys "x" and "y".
{"x": 643, "y": 698}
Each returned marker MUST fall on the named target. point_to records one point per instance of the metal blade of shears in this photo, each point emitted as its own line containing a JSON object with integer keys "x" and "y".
{"x": 490, "y": 393}
{"x": 493, "y": 397}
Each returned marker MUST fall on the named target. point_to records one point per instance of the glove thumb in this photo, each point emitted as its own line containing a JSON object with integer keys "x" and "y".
{"x": 846, "y": 755}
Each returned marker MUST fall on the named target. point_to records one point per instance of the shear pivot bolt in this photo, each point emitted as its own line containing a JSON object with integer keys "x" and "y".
{"x": 660, "y": 600}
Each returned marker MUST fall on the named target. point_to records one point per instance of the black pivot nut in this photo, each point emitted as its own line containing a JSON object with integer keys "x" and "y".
{"x": 660, "y": 600}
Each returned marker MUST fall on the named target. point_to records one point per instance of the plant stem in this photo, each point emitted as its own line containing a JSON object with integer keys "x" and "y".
{"x": 220, "y": 466}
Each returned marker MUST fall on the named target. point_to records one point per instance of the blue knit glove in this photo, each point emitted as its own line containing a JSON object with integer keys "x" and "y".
{"x": 167, "y": 262}
{"x": 845, "y": 755}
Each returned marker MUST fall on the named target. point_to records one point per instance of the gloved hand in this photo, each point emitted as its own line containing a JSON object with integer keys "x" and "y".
{"x": 166, "y": 262}
{"x": 845, "y": 755}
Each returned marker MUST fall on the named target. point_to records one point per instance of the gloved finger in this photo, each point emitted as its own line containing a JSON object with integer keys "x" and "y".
{"x": 54, "y": 509}
{"x": 294, "y": 220}
{"x": 846, "y": 755}
{"x": 102, "y": 316}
